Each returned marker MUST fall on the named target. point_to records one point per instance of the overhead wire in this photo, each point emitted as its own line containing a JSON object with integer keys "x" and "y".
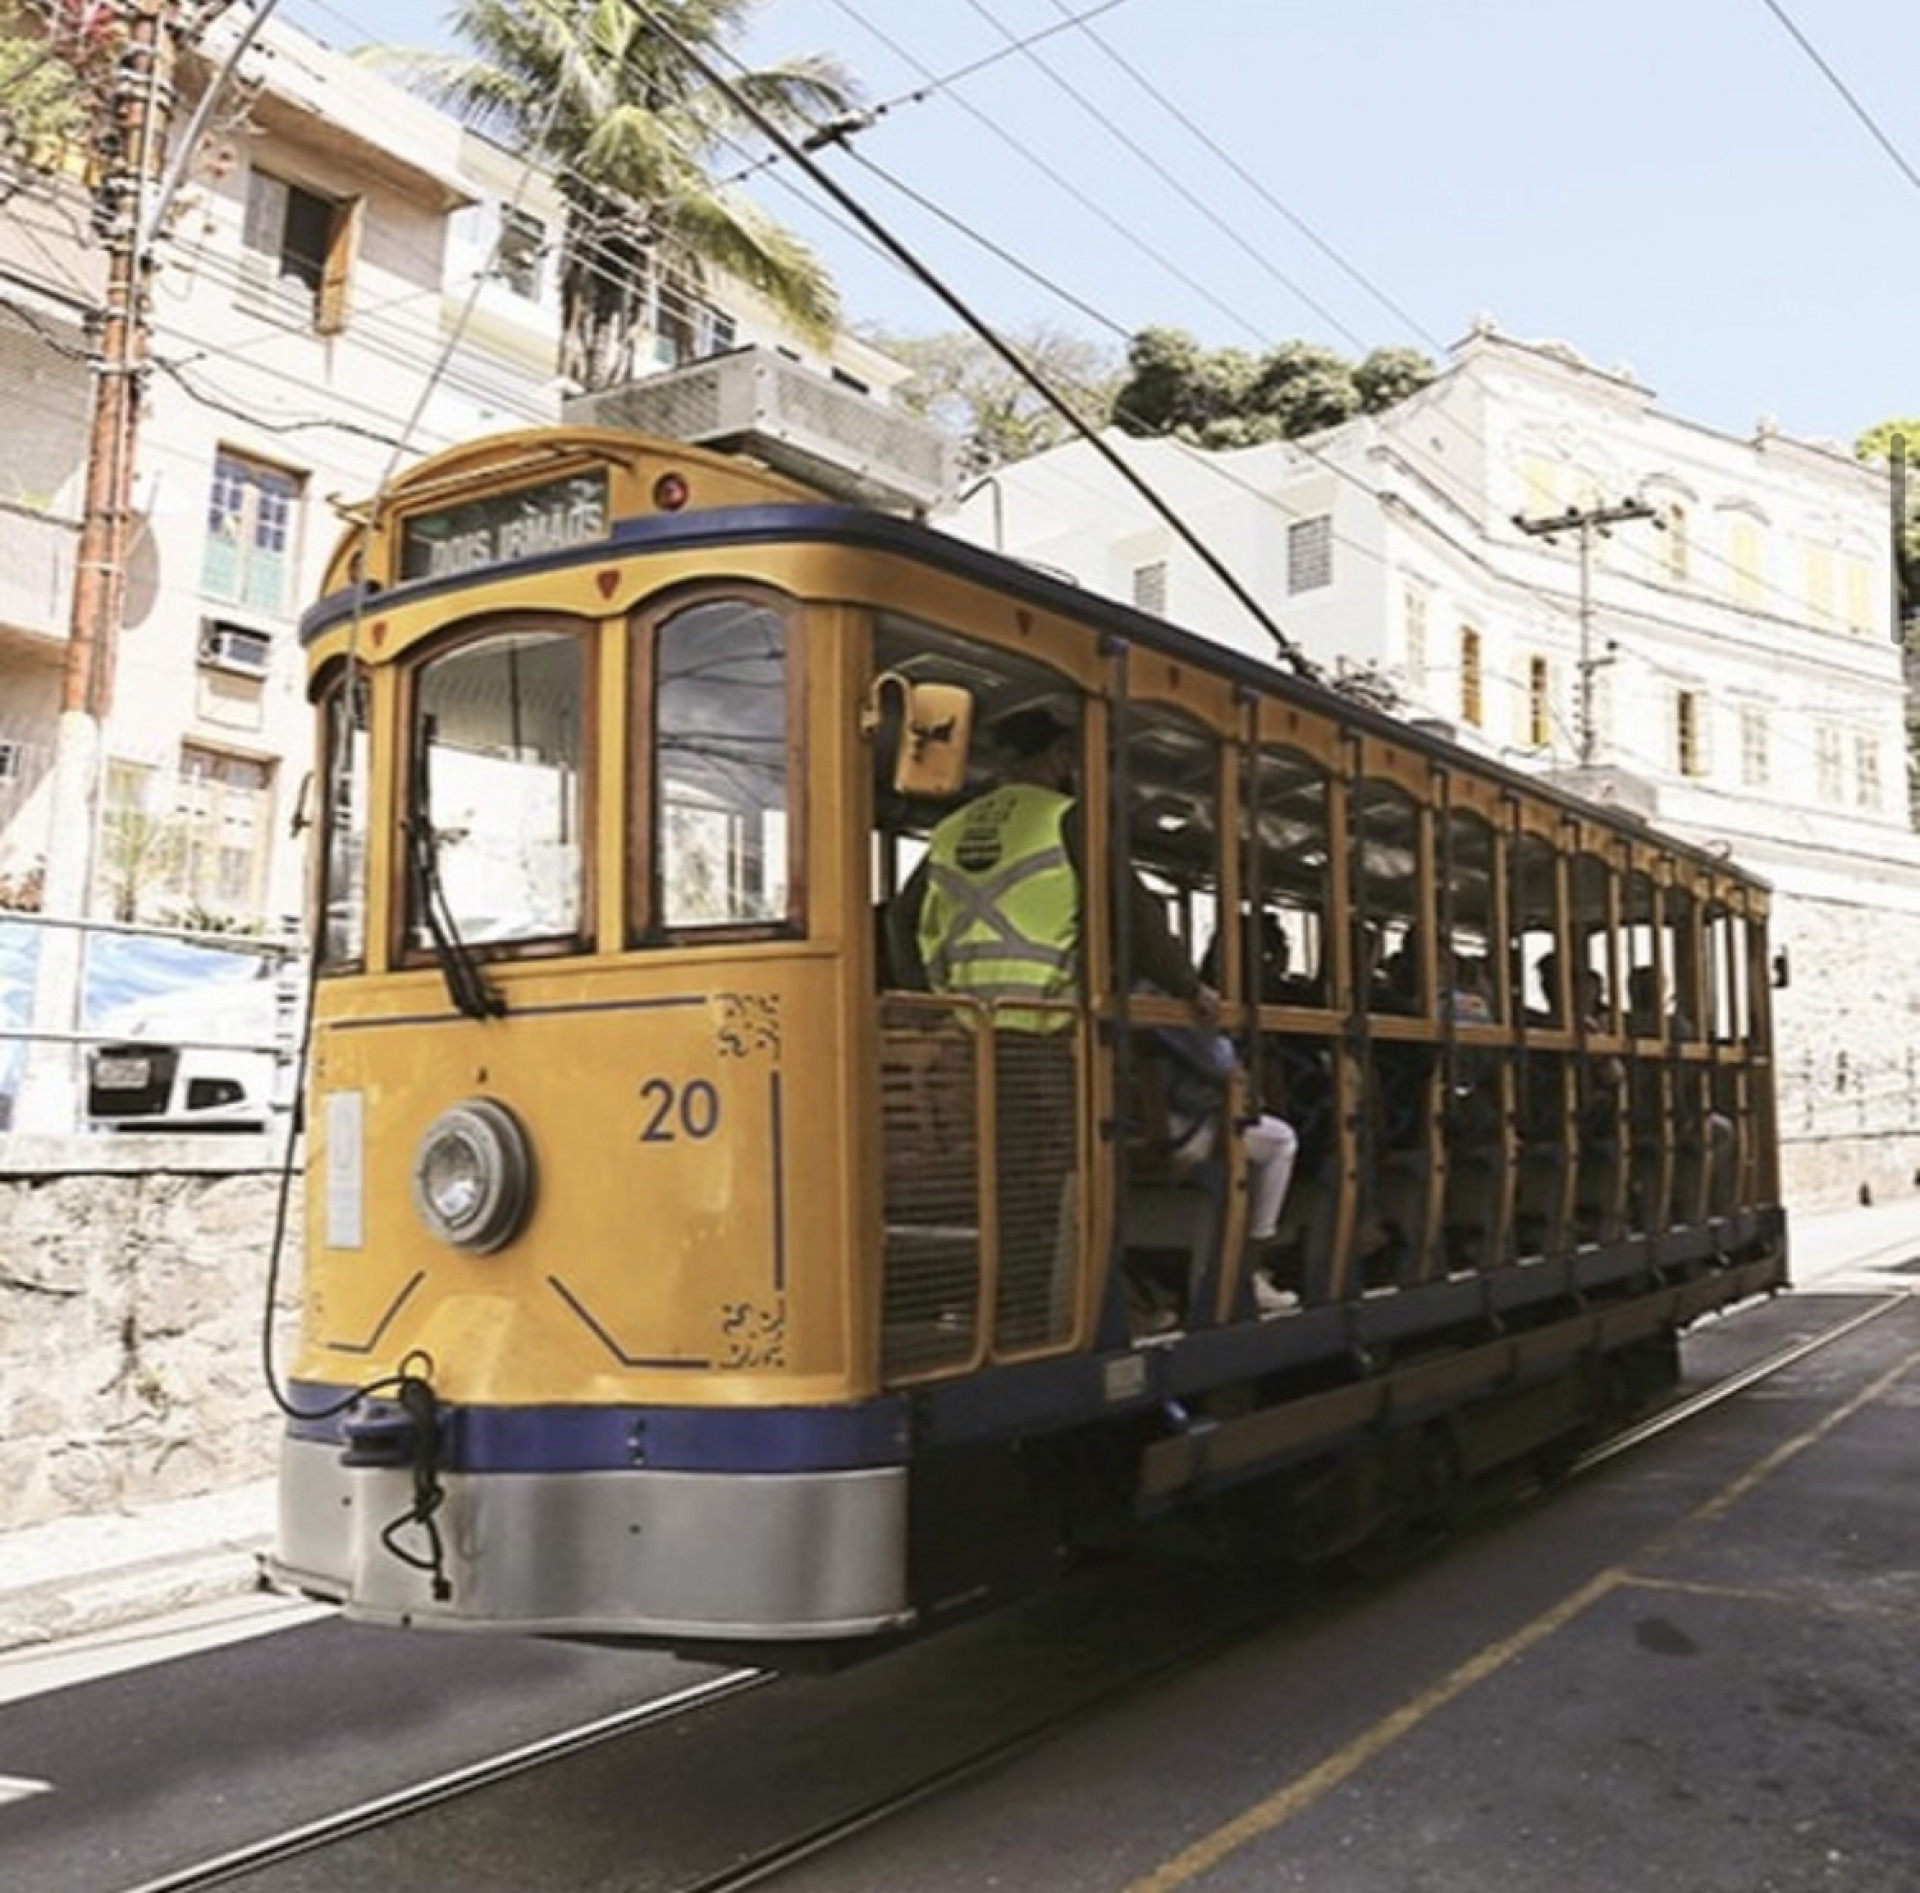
{"x": 1826, "y": 70}
{"x": 935, "y": 83}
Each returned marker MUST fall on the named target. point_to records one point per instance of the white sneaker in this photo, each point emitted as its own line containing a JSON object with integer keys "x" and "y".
{"x": 1271, "y": 1300}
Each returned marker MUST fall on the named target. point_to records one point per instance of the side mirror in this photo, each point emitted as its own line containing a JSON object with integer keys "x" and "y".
{"x": 936, "y": 728}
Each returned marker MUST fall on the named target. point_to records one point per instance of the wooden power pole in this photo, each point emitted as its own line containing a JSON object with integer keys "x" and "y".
{"x": 1586, "y": 521}
{"x": 139, "y": 110}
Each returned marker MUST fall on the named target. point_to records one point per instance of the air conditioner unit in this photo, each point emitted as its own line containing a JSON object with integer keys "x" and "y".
{"x": 799, "y": 422}
{"x": 235, "y": 647}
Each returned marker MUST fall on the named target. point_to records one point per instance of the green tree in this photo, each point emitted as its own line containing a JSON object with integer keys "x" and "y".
{"x": 56, "y": 61}
{"x": 1229, "y": 398}
{"x": 636, "y": 138}
{"x": 1876, "y": 447}
{"x": 995, "y": 413}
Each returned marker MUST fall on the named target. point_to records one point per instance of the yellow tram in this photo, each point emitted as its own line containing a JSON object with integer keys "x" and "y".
{"x": 679, "y": 1268}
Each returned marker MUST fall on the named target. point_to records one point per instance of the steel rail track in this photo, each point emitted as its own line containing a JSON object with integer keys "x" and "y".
{"x": 1736, "y": 1383}
{"x": 771, "y": 1862}
{"x": 768, "y": 1863}
{"x": 387, "y": 1809}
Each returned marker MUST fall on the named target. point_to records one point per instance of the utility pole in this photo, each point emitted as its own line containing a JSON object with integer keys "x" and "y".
{"x": 1587, "y": 521}
{"x": 140, "y": 109}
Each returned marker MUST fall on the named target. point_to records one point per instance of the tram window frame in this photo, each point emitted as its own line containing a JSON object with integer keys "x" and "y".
{"x": 1471, "y": 928}
{"x": 342, "y": 859}
{"x": 412, "y": 936}
{"x": 1000, "y": 682}
{"x": 1292, "y": 819}
{"x": 648, "y": 922}
{"x": 1597, "y": 940}
{"x": 1393, "y": 911}
{"x": 1167, "y": 802}
{"x": 1535, "y": 927}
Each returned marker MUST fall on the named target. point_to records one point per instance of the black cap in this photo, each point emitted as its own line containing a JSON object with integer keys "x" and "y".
{"x": 1030, "y": 730}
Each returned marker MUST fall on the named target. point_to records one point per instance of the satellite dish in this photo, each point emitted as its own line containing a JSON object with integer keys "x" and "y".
{"x": 142, "y": 573}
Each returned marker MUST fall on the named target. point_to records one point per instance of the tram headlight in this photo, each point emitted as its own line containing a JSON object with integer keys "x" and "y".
{"x": 473, "y": 1176}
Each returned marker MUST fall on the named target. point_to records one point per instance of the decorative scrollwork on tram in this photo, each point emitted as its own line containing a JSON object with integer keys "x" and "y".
{"x": 749, "y": 1023}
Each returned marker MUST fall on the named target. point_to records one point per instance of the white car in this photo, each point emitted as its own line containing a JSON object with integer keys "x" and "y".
{"x": 207, "y": 1057}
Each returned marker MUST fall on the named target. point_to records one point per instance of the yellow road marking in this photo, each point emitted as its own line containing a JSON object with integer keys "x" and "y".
{"x": 1304, "y": 1790}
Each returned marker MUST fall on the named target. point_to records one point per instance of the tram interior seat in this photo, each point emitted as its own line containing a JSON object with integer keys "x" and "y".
{"x": 1170, "y": 1214}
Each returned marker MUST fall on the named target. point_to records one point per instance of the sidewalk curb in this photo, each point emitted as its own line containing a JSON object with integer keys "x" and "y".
{"x": 59, "y": 1610}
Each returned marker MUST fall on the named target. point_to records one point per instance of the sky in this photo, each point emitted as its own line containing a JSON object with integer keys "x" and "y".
{"x": 1720, "y": 197}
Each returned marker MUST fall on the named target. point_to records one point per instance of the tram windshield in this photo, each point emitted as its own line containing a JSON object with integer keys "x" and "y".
{"x": 345, "y": 775}
{"x": 494, "y": 803}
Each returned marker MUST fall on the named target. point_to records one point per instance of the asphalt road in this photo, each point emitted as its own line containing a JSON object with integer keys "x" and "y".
{"x": 1690, "y": 1667}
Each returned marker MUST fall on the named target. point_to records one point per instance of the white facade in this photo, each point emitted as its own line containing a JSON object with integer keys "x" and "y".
{"x": 347, "y": 281}
{"x": 1743, "y": 684}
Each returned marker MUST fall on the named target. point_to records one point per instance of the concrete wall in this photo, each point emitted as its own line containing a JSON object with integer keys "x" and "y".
{"x": 133, "y": 1272}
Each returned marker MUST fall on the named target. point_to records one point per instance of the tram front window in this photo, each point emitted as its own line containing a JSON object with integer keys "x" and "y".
{"x": 344, "y": 774}
{"x": 721, "y": 757}
{"x": 494, "y": 809}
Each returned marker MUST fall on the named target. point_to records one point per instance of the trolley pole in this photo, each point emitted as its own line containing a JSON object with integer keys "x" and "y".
{"x": 1587, "y": 521}
{"x": 140, "y": 109}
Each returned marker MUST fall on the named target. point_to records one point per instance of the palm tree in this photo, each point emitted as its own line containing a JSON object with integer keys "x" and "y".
{"x": 635, "y": 138}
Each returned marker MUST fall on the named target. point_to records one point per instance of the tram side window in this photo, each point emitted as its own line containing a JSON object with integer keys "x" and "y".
{"x": 1294, "y": 863}
{"x": 1389, "y": 902}
{"x": 494, "y": 813}
{"x": 1001, "y": 685}
{"x": 1728, "y": 943}
{"x": 723, "y": 815}
{"x": 344, "y": 774}
{"x": 1173, "y": 770}
{"x": 1535, "y": 923}
{"x": 1596, "y": 991}
{"x": 1467, "y": 875}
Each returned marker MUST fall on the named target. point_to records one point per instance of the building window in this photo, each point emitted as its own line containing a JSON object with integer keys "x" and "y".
{"x": 252, "y": 511}
{"x": 1150, "y": 587}
{"x": 1679, "y": 543}
{"x": 1820, "y": 583}
{"x": 1416, "y": 637}
{"x": 686, "y": 327}
{"x": 1690, "y": 732}
{"x": 1866, "y": 771}
{"x": 1827, "y": 762}
{"x": 1536, "y": 724}
{"x": 12, "y": 761}
{"x": 301, "y": 247}
{"x": 1860, "y": 593}
{"x": 1472, "y": 701}
{"x": 520, "y": 252}
{"x": 225, "y": 809}
{"x": 1755, "y": 759}
{"x": 1743, "y": 559}
{"x": 1310, "y": 554}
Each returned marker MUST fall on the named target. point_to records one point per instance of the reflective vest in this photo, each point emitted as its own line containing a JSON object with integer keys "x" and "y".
{"x": 1000, "y": 918}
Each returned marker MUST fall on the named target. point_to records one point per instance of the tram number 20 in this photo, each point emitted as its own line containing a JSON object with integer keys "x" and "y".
{"x": 675, "y": 1112}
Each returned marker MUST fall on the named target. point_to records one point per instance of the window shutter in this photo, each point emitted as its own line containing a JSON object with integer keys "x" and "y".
{"x": 343, "y": 243}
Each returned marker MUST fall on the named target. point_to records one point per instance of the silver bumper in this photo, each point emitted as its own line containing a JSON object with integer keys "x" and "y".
{"x": 769, "y": 1557}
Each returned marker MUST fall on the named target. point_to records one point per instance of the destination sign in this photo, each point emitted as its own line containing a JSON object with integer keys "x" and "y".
{"x": 508, "y": 526}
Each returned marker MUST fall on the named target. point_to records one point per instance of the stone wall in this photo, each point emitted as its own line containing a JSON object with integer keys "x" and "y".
{"x": 1847, "y": 1043}
{"x": 133, "y": 1273}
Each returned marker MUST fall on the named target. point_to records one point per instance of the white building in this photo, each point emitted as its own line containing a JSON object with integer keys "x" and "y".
{"x": 1727, "y": 664}
{"x": 347, "y": 281}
